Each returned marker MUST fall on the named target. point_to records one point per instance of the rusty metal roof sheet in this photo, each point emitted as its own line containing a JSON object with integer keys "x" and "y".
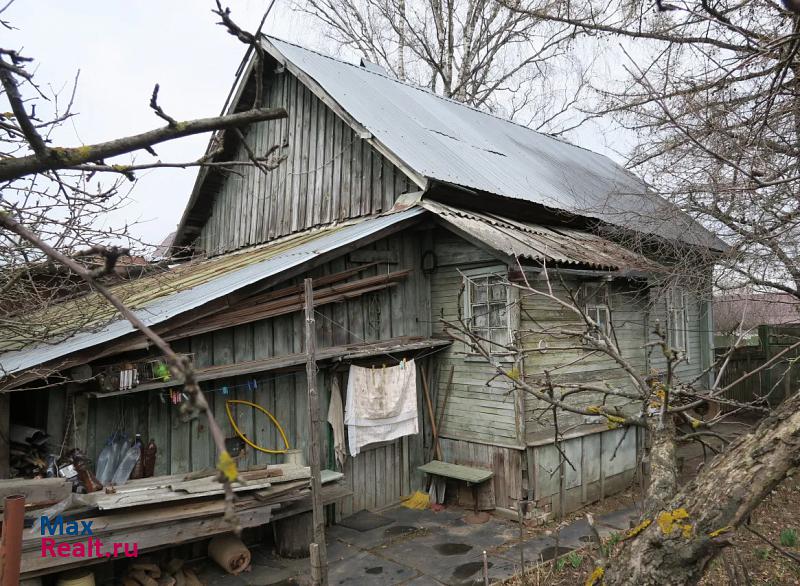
{"x": 159, "y": 297}
{"x": 553, "y": 246}
{"x": 446, "y": 141}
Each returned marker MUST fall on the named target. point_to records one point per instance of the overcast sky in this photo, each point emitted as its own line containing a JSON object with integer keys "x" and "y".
{"x": 122, "y": 49}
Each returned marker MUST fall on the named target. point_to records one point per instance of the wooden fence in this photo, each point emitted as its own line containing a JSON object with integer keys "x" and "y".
{"x": 772, "y": 383}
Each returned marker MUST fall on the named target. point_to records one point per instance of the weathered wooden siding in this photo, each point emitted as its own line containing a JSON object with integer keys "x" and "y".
{"x": 475, "y": 411}
{"x": 541, "y": 322}
{"x": 329, "y": 174}
{"x": 378, "y": 476}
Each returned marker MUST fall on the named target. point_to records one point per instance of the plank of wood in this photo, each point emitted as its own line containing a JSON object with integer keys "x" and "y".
{"x": 182, "y": 529}
{"x": 327, "y": 476}
{"x": 456, "y": 471}
{"x": 37, "y": 491}
{"x": 330, "y": 494}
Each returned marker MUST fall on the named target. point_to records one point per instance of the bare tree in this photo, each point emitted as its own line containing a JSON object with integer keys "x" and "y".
{"x": 474, "y": 51}
{"x": 711, "y": 91}
{"x": 52, "y": 242}
{"x": 681, "y": 528}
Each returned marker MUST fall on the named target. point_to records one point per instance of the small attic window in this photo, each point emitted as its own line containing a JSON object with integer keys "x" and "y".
{"x": 374, "y": 67}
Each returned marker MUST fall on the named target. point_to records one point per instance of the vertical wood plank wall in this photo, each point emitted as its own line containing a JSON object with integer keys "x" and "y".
{"x": 328, "y": 174}
{"x": 378, "y": 476}
{"x": 600, "y": 464}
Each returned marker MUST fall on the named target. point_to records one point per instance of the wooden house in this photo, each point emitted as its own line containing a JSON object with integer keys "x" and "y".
{"x": 404, "y": 207}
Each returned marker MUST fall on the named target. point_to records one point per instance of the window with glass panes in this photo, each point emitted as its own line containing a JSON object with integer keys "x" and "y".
{"x": 487, "y": 311}
{"x": 678, "y": 321}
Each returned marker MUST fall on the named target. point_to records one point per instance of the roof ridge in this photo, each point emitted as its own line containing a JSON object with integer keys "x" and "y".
{"x": 434, "y": 94}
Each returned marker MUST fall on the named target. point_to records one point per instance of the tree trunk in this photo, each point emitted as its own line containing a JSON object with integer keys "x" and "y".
{"x": 681, "y": 538}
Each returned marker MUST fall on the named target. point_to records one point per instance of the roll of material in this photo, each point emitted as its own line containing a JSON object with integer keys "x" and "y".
{"x": 295, "y": 457}
{"x": 230, "y": 553}
{"x": 76, "y": 578}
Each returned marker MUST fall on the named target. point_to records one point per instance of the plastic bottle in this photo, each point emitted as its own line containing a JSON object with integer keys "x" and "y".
{"x": 104, "y": 467}
{"x": 123, "y": 471}
{"x": 120, "y": 446}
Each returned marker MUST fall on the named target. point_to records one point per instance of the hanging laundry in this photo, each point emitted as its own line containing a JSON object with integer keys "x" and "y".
{"x": 381, "y": 404}
{"x": 336, "y": 419}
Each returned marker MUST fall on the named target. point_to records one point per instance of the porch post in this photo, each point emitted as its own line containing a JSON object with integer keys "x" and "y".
{"x": 319, "y": 557}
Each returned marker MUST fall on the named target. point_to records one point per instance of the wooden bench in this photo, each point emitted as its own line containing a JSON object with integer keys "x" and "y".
{"x": 473, "y": 477}
{"x": 466, "y": 474}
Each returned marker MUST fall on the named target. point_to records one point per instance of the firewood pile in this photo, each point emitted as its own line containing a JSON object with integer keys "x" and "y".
{"x": 28, "y": 452}
{"x": 172, "y": 573}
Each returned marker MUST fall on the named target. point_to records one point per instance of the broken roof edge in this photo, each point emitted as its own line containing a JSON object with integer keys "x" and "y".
{"x": 326, "y": 245}
{"x": 541, "y": 243}
{"x": 705, "y": 239}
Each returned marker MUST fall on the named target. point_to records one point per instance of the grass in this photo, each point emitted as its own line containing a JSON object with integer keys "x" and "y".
{"x": 763, "y": 553}
{"x": 573, "y": 558}
{"x": 788, "y": 537}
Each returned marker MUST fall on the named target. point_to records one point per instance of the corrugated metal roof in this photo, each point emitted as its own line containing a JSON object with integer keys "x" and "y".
{"x": 447, "y": 141}
{"x": 550, "y": 245}
{"x": 157, "y": 298}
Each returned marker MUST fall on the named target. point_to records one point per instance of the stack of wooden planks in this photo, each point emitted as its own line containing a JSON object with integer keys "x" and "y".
{"x": 289, "y": 300}
{"x": 182, "y": 487}
{"x": 163, "y": 511}
{"x": 38, "y": 492}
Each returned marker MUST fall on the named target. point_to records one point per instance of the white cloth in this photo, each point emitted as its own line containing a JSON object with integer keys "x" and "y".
{"x": 381, "y": 404}
{"x": 336, "y": 419}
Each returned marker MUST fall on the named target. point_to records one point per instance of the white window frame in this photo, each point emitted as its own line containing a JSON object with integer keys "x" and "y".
{"x": 512, "y": 314}
{"x": 593, "y": 311}
{"x": 678, "y": 321}
{"x": 597, "y": 299}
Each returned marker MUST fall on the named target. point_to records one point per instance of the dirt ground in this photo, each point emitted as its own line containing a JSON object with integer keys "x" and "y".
{"x": 751, "y": 556}
{"x": 573, "y": 568}
{"x": 749, "y": 561}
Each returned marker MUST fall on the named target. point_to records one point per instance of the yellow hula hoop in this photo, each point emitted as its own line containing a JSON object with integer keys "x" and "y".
{"x": 245, "y": 438}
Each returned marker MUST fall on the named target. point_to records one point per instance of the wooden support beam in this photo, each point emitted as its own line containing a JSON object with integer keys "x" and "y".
{"x": 268, "y": 306}
{"x": 319, "y": 557}
{"x": 288, "y": 361}
{"x": 5, "y": 431}
{"x": 81, "y": 423}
